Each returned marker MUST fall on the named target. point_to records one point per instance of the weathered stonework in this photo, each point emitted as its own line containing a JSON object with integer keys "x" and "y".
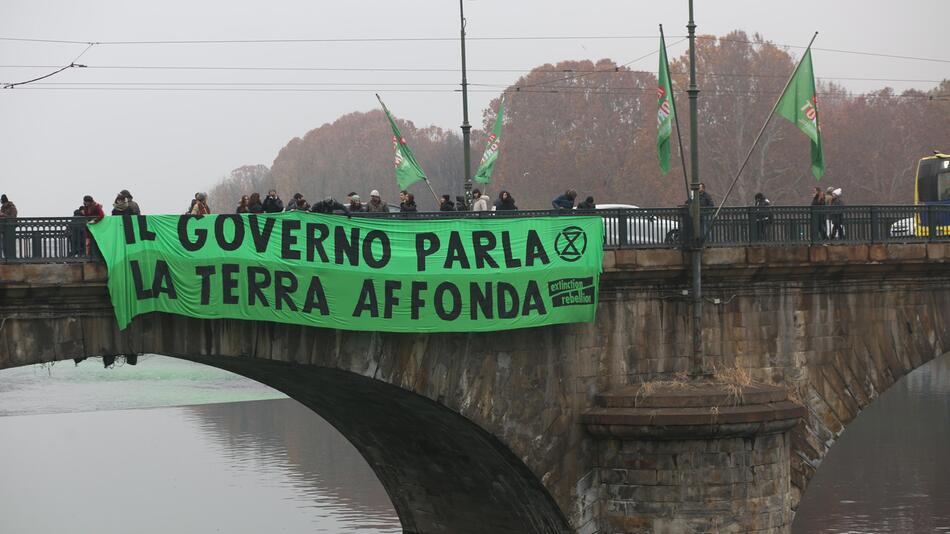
{"x": 497, "y": 416}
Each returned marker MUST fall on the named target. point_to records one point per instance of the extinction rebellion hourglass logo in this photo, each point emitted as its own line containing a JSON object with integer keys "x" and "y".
{"x": 570, "y": 245}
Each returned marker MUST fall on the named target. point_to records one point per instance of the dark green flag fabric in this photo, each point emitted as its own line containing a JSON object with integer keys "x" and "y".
{"x": 665, "y": 111}
{"x": 449, "y": 275}
{"x": 408, "y": 170}
{"x": 799, "y": 105}
{"x": 487, "y": 165}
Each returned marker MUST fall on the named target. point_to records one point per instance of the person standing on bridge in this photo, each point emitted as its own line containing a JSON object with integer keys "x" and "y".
{"x": 818, "y": 220}
{"x": 133, "y": 205}
{"x": 201, "y": 205}
{"x": 7, "y": 208}
{"x": 376, "y": 204}
{"x": 92, "y": 209}
{"x": 273, "y": 203}
{"x": 837, "y": 214}
{"x": 505, "y": 202}
{"x": 298, "y": 203}
{"x": 7, "y": 227}
{"x": 565, "y": 201}
{"x": 407, "y": 201}
{"x": 480, "y": 201}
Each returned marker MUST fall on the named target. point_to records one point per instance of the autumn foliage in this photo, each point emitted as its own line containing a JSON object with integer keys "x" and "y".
{"x": 591, "y": 126}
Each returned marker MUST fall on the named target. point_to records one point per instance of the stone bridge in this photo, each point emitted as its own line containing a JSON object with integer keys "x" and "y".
{"x": 536, "y": 430}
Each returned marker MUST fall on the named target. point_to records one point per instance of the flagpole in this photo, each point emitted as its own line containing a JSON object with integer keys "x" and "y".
{"x": 767, "y": 120}
{"x": 676, "y": 119}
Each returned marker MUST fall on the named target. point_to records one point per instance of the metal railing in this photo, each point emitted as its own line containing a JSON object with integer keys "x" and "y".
{"x": 64, "y": 238}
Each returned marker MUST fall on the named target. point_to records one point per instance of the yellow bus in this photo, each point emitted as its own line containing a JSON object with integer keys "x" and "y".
{"x": 933, "y": 188}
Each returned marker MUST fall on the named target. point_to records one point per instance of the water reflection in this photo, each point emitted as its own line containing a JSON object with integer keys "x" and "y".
{"x": 284, "y": 434}
{"x": 240, "y": 467}
{"x": 890, "y": 470}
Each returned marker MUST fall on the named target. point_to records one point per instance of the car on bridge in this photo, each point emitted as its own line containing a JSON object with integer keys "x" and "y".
{"x": 644, "y": 228}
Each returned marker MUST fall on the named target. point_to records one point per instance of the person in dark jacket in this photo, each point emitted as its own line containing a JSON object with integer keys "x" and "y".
{"x": 705, "y": 199}
{"x": 356, "y": 204}
{"x": 298, "y": 203}
{"x": 133, "y": 205}
{"x": 254, "y": 204}
{"x": 273, "y": 203}
{"x": 8, "y": 212}
{"x": 7, "y": 208}
{"x": 565, "y": 201}
{"x": 505, "y": 202}
{"x": 588, "y": 204}
{"x": 446, "y": 204}
{"x": 121, "y": 206}
{"x": 376, "y": 204}
{"x": 328, "y": 205}
{"x": 762, "y": 215}
{"x": 818, "y": 220}
{"x": 408, "y": 201}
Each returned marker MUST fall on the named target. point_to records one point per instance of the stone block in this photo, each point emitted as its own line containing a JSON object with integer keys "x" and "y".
{"x": 911, "y": 251}
{"x": 610, "y": 260}
{"x": 660, "y": 258}
{"x": 818, "y": 254}
{"x": 95, "y": 272}
{"x": 848, "y": 253}
{"x": 625, "y": 259}
{"x": 938, "y": 251}
{"x": 786, "y": 255}
{"x": 724, "y": 256}
{"x": 756, "y": 255}
{"x": 877, "y": 252}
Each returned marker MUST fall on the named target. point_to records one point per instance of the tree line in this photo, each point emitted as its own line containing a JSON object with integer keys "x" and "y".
{"x": 591, "y": 126}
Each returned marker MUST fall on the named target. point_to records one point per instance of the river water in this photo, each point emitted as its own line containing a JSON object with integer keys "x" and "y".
{"x": 889, "y": 472}
{"x": 172, "y": 446}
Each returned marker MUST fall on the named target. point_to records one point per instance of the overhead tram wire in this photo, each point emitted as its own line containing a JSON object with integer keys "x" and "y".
{"x": 72, "y": 64}
{"x": 537, "y": 91}
{"x": 615, "y": 70}
{"x": 454, "y": 38}
{"x": 834, "y": 50}
{"x": 339, "y": 40}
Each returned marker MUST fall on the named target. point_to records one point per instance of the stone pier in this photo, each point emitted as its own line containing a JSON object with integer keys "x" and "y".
{"x": 685, "y": 457}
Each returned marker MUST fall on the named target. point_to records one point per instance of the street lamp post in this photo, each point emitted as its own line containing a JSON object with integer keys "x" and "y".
{"x": 466, "y": 127}
{"x": 696, "y": 364}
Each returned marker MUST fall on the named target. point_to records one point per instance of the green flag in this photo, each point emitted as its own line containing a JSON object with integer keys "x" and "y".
{"x": 664, "y": 112}
{"x": 799, "y": 104}
{"x": 408, "y": 170}
{"x": 487, "y": 165}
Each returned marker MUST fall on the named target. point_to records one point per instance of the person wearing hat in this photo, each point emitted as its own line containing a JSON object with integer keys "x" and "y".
{"x": 356, "y": 205}
{"x": 837, "y": 213}
{"x": 133, "y": 206}
{"x": 376, "y": 204}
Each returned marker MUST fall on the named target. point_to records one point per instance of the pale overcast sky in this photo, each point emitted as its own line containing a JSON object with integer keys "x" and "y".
{"x": 59, "y": 142}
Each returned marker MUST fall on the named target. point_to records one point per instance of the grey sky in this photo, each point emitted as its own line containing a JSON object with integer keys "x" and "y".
{"x": 56, "y": 144}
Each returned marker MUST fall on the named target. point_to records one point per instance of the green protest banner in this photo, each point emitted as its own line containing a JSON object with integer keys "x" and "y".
{"x": 449, "y": 275}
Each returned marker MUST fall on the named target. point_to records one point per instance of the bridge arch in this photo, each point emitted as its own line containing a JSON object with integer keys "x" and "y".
{"x": 443, "y": 471}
